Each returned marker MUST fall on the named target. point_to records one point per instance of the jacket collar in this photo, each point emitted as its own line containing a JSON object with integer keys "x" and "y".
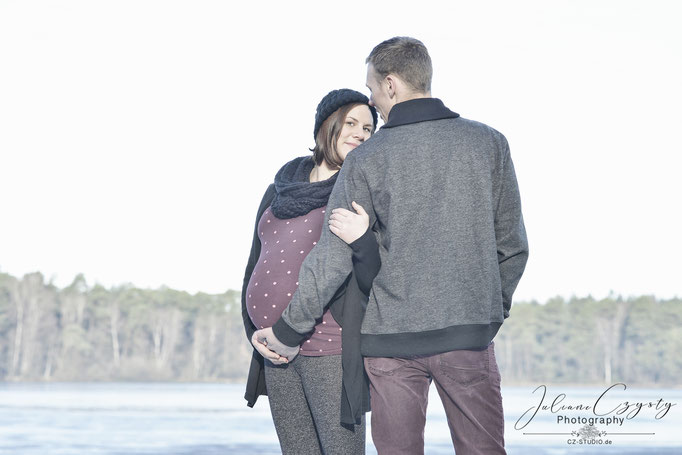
{"x": 418, "y": 110}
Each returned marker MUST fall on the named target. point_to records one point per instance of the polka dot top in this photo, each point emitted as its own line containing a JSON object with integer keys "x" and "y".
{"x": 284, "y": 246}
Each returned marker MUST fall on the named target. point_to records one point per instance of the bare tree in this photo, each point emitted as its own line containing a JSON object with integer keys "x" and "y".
{"x": 19, "y": 328}
{"x": 114, "y": 313}
{"x": 610, "y": 329}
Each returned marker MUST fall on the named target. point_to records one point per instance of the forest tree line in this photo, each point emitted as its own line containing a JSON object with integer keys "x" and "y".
{"x": 93, "y": 333}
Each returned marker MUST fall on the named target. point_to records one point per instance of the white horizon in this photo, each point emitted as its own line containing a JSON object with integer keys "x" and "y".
{"x": 137, "y": 138}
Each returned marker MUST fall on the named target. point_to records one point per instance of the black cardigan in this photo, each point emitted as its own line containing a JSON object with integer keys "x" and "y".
{"x": 348, "y": 309}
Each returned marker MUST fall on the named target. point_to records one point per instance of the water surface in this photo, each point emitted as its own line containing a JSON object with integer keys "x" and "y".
{"x": 184, "y": 419}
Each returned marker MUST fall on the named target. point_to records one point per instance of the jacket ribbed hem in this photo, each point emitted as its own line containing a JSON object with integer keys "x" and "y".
{"x": 286, "y": 334}
{"x": 468, "y": 336}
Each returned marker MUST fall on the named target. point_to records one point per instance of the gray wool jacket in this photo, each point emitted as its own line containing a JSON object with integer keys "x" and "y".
{"x": 444, "y": 206}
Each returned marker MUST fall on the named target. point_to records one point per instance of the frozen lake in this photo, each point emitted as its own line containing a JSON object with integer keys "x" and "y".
{"x": 184, "y": 419}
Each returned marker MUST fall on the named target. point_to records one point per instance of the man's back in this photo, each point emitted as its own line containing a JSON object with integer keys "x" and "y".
{"x": 439, "y": 189}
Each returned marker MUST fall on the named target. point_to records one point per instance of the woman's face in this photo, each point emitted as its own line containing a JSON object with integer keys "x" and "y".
{"x": 357, "y": 128}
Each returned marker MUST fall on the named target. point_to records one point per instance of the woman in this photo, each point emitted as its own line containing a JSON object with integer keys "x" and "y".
{"x": 308, "y": 399}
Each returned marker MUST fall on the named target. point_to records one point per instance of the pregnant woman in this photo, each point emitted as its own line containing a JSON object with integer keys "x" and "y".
{"x": 308, "y": 398}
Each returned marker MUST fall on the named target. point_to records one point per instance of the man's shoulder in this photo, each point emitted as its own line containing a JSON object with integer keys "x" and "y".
{"x": 458, "y": 125}
{"x": 475, "y": 125}
{"x": 479, "y": 131}
{"x": 388, "y": 140}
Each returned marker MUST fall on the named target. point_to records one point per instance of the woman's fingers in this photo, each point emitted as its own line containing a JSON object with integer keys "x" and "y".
{"x": 260, "y": 344}
{"x": 340, "y": 213}
{"x": 358, "y": 208}
{"x": 335, "y": 223}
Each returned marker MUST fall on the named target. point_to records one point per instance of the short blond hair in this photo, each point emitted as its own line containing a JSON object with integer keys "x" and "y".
{"x": 405, "y": 57}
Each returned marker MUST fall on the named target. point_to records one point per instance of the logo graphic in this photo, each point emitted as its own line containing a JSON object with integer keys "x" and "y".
{"x": 614, "y": 413}
{"x": 588, "y": 432}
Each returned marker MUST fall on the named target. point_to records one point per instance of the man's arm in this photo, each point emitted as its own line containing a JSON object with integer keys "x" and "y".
{"x": 328, "y": 264}
{"x": 353, "y": 228}
{"x": 510, "y": 232}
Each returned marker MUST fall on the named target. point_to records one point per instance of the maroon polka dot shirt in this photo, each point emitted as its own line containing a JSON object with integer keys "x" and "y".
{"x": 284, "y": 246}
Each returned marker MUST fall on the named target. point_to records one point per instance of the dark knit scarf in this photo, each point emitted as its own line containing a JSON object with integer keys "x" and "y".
{"x": 296, "y": 195}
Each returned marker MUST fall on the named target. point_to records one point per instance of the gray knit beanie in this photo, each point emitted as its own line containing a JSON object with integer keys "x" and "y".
{"x": 334, "y": 100}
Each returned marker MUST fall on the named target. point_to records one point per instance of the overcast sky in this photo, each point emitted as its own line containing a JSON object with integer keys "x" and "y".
{"x": 137, "y": 137}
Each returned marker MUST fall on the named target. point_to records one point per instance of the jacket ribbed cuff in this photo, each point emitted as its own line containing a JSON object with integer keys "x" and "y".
{"x": 364, "y": 243}
{"x": 286, "y": 334}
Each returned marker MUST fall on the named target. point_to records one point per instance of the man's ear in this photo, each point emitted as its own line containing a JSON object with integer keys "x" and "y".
{"x": 391, "y": 85}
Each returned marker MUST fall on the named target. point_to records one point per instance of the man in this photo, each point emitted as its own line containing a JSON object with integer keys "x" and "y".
{"x": 444, "y": 205}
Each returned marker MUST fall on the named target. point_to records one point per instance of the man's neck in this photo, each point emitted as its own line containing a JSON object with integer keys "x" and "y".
{"x": 411, "y": 96}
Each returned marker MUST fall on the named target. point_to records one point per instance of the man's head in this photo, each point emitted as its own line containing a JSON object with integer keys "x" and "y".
{"x": 398, "y": 69}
